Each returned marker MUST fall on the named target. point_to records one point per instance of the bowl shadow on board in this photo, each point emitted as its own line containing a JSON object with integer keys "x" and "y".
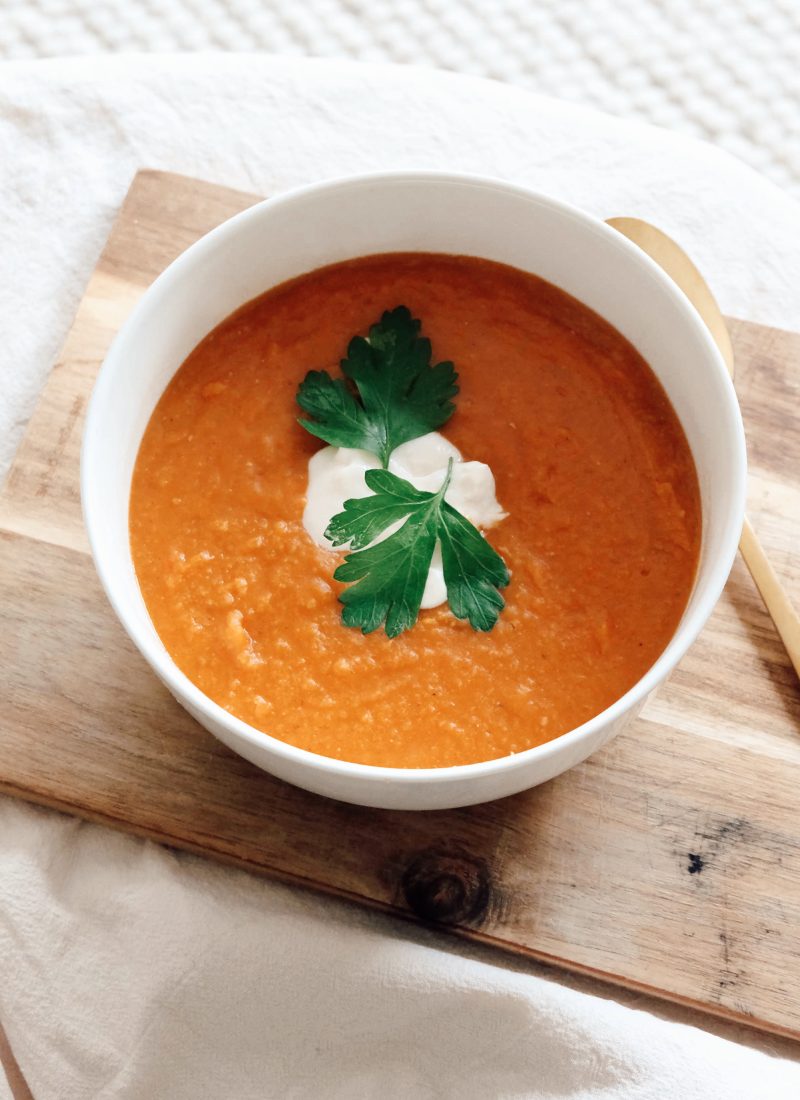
{"x": 445, "y": 866}
{"x": 166, "y": 775}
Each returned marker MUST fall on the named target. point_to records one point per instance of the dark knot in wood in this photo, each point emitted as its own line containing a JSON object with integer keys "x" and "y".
{"x": 447, "y": 886}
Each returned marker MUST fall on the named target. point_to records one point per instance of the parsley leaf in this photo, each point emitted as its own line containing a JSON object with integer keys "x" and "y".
{"x": 390, "y": 394}
{"x": 390, "y": 575}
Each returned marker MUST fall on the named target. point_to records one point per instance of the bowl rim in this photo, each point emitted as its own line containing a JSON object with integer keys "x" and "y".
{"x": 179, "y": 683}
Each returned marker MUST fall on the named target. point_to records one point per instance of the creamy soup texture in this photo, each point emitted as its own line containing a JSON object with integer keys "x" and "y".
{"x": 591, "y": 466}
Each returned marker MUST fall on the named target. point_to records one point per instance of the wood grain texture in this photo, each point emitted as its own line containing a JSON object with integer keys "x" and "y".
{"x": 670, "y": 861}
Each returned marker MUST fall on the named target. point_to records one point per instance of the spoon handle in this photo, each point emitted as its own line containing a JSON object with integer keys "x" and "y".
{"x": 784, "y": 616}
{"x": 671, "y": 258}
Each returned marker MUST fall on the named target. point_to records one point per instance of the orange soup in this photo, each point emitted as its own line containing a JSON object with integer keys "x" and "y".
{"x": 591, "y": 464}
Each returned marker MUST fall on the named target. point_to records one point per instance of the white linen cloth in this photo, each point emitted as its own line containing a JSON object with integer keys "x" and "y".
{"x": 723, "y": 70}
{"x": 130, "y": 971}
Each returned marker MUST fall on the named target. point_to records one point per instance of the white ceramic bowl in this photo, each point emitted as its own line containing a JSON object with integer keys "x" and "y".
{"x": 338, "y": 220}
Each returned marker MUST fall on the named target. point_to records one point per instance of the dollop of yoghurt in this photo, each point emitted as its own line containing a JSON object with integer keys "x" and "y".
{"x": 336, "y": 474}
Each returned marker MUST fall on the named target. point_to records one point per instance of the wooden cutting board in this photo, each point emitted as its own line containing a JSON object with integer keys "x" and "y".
{"x": 669, "y": 862}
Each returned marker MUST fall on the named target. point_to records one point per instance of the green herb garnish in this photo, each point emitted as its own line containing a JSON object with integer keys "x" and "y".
{"x": 390, "y": 393}
{"x": 390, "y": 576}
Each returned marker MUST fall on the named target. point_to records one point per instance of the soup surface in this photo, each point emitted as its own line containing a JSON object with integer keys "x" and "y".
{"x": 591, "y": 464}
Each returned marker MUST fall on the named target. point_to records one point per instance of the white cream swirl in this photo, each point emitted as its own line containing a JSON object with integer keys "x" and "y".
{"x": 336, "y": 474}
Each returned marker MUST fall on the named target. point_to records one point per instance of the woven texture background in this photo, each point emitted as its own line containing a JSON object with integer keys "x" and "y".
{"x": 724, "y": 70}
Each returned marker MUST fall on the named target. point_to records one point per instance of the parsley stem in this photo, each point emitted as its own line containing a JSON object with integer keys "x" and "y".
{"x": 390, "y": 574}
{"x": 446, "y": 482}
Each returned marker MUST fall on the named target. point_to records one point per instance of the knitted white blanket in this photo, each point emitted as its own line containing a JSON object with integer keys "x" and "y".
{"x": 723, "y": 70}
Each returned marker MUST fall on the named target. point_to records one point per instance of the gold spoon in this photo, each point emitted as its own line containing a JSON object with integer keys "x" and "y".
{"x": 672, "y": 259}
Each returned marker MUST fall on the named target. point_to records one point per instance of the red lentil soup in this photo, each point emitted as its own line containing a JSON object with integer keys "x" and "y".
{"x": 591, "y": 464}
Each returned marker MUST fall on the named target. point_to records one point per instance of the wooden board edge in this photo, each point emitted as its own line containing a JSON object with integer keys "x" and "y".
{"x": 158, "y": 177}
{"x": 161, "y": 174}
{"x": 457, "y": 932}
